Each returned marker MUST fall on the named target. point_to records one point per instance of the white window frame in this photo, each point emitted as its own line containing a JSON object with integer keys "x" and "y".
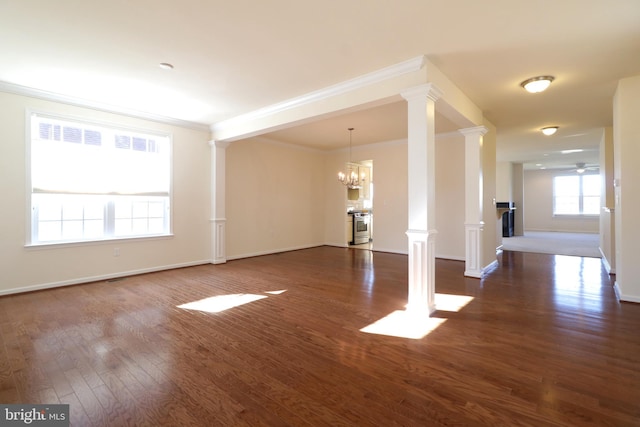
{"x": 109, "y": 209}
{"x": 580, "y": 196}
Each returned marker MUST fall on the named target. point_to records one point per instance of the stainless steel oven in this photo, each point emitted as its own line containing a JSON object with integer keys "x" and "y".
{"x": 361, "y": 228}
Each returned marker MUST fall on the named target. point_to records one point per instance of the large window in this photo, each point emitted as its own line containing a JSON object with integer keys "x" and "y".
{"x": 576, "y": 195}
{"x": 96, "y": 182}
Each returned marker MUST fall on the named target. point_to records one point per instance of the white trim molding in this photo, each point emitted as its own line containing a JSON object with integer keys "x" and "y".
{"x": 341, "y": 88}
{"x": 100, "y": 106}
{"x": 218, "y": 191}
{"x": 101, "y": 277}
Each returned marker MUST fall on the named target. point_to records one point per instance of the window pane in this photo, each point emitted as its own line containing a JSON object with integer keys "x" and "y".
{"x": 49, "y": 231}
{"x": 45, "y": 130}
{"x": 139, "y": 226}
{"x": 156, "y": 225}
{"x": 93, "y": 229}
{"x": 567, "y": 205}
{"x": 122, "y": 227}
{"x": 140, "y": 209}
{"x": 94, "y": 210}
{"x": 591, "y": 185}
{"x": 156, "y": 210}
{"x": 72, "y": 230}
{"x": 123, "y": 141}
{"x": 49, "y": 211}
{"x": 93, "y": 186}
{"x": 139, "y": 144}
{"x": 92, "y": 137}
{"x": 73, "y": 210}
{"x": 123, "y": 208}
{"x": 566, "y": 185}
{"x": 591, "y": 205}
{"x": 72, "y": 134}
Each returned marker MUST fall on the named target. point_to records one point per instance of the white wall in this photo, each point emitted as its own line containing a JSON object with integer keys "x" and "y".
{"x": 23, "y": 268}
{"x": 274, "y": 197}
{"x": 492, "y": 222}
{"x": 626, "y": 134}
{"x": 538, "y": 206}
{"x": 607, "y": 213}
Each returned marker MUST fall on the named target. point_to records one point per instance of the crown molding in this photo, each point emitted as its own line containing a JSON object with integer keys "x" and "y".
{"x": 108, "y": 108}
{"x": 341, "y": 88}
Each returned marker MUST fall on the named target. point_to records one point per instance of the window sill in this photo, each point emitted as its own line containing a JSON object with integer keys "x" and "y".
{"x": 56, "y": 245}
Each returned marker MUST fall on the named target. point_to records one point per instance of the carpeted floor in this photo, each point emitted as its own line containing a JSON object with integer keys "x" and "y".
{"x": 577, "y": 244}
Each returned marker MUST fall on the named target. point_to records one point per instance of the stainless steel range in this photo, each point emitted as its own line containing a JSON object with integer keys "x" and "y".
{"x": 361, "y": 228}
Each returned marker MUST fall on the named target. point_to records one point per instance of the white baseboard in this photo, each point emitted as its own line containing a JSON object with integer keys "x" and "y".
{"x": 605, "y": 261}
{"x": 492, "y": 265}
{"x": 391, "y": 251}
{"x": 274, "y": 251}
{"x": 337, "y": 245}
{"x": 451, "y": 257}
{"x": 623, "y": 297}
{"x": 99, "y": 278}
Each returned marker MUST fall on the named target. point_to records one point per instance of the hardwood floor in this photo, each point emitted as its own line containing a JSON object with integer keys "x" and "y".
{"x": 543, "y": 342}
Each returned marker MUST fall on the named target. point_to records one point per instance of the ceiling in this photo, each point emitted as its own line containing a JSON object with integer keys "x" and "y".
{"x": 233, "y": 57}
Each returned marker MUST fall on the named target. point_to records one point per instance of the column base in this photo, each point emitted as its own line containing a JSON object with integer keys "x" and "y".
{"x": 218, "y": 255}
{"x": 473, "y": 243}
{"x": 422, "y": 255}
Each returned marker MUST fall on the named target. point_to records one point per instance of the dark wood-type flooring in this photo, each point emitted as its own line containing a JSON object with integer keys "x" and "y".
{"x": 544, "y": 342}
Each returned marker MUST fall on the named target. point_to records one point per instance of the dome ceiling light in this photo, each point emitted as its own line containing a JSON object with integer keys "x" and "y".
{"x": 537, "y": 84}
{"x": 549, "y": 130}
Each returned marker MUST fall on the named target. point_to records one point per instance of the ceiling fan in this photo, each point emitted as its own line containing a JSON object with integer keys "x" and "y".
{"x": 582, "y": 167}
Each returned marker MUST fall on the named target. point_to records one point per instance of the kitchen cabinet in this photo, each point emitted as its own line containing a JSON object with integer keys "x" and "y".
{"x": 349, "y": 229}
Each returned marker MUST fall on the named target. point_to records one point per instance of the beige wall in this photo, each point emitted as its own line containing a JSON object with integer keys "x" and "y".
{"x": 504, "y": 178}
{"x": 489, "y": 182}
{"x": 450, "y": 200}
{"x": 274, "y": 198}
{"x": 538, "y": 206}
{"x": 390, "y": 203}
{"x": 279, "y": 197}
{"x": 24, "y": 268}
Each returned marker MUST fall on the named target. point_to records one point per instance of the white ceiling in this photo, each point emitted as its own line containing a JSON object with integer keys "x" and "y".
{"x": 232, "y": 57}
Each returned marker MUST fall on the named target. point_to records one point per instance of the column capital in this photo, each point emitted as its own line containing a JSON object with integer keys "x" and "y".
{"x": 427, "y": 90}
{"x": 219, "y": 144}
{"x": 480, "y": 130}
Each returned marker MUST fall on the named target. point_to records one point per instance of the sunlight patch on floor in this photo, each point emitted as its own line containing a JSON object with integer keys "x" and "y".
{"x": 404, "y": 324}
{"x": 449, "y": 302}
{"x": 221, "y": 303}
{"x": 414, "y": 324}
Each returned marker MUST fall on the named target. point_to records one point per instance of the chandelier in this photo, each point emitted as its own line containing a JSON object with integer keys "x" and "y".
{"x": 351, "y": 179}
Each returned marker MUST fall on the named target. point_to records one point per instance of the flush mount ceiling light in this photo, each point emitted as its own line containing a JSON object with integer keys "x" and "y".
{"x": 549, "y": 130}
{"x": 537, "y": 84}
{"x": 166, "y": 66}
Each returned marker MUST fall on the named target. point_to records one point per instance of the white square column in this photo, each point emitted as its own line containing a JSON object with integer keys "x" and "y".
{"x": 421, "y": 198}
{"x": 473, "y": 223}
{"x": 218, "y": 219}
